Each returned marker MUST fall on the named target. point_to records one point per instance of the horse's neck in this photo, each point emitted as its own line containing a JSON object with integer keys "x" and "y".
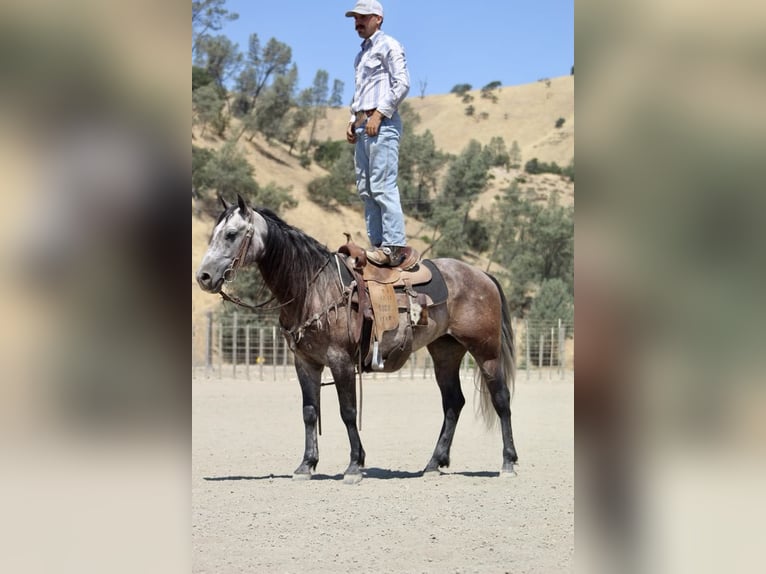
{"x": 296, "y": 292}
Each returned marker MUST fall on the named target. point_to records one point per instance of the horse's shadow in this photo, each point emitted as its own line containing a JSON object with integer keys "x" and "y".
{"x": 369, "y": 473}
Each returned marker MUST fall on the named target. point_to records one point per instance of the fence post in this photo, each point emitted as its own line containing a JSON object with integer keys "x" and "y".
{"x": 261, "y": 354}
{"x": 275, "y": 353}
{"x": 247, "y": 351}
{"x": 220, "y": 349}
{"x": 209, "y": 345}
{"x": 562, "y": 348}
{"x": 234, "y": 324}
{"x": 527, "y": 352}
{"x": 540, "y": 356}
{"x": 550, "y": 358}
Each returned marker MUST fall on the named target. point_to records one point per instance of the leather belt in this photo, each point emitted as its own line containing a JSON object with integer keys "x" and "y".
{"x": 362, "y": 115}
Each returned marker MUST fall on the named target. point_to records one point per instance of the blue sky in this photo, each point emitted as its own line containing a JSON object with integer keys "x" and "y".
{"x": 446, "y": 43}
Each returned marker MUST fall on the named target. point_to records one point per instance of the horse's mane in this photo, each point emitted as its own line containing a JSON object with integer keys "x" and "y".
{"x": 291, "y": 259}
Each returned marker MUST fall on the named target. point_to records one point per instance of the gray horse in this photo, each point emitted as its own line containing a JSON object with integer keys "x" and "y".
{"x": 302, "y": 275}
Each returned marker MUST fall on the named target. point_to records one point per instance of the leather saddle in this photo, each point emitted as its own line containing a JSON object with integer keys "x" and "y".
{"x": 380, "y": 328}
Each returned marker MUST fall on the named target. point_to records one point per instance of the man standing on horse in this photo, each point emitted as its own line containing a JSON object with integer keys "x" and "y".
{"x": 381, "y": 83}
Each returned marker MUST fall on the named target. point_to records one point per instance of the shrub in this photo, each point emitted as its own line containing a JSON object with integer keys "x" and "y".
{"x": 460, "y": 89}
{"x": 534, "y": 166}
{"x": 327, "y": 152}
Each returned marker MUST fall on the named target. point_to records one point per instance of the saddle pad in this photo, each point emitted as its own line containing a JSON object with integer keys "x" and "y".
{"x": 384, "y": 307}
{"x": 436, "y": 288}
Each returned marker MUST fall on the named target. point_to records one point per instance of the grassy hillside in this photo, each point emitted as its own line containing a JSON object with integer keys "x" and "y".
{"x": 526, "y": 114}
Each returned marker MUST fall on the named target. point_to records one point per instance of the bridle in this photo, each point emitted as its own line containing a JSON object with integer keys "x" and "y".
{"x": 230, "y": 274}
{"x": 231, "y": 271}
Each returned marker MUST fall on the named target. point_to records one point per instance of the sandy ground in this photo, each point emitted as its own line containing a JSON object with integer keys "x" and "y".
{"x": 248, "y": 515}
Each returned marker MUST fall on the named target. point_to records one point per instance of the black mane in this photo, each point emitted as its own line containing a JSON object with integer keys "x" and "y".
{"x": 291, "y": 259}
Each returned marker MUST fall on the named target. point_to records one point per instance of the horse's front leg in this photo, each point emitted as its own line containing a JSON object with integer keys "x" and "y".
{"x": 345, "y": 384}
{"x": 310, "y": 378}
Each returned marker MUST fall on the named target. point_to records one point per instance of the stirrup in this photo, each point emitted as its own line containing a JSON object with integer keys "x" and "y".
{"x": 377, "y": 360}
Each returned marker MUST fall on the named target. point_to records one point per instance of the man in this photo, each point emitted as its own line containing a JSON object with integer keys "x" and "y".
{"x": 381, "y": 84}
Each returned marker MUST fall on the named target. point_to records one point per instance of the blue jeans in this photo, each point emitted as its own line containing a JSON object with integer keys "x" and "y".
{"x": 376, "y": 160}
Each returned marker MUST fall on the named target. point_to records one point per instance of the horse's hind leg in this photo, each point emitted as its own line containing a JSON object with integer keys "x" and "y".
{"x": 500, "y": 396}
{"x": 345, "y": 384}
{"x": 447, "y": 354}
{"x": 310, "y": 377}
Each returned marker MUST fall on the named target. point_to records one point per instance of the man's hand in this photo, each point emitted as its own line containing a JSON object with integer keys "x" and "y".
{"x": 373, "y": 123}
{"x": 351, "y": 133}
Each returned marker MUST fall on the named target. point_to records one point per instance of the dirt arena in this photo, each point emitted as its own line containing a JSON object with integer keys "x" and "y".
{"x": 248, "y": 515}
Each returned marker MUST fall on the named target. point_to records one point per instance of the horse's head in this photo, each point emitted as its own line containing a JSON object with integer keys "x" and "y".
{"x": 238, "y": 238}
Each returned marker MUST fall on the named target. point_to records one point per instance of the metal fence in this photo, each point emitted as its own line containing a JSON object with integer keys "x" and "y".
{"x": 250, "y": 347}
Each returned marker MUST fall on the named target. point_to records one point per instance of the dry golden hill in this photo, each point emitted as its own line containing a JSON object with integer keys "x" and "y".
{"x": 526, "y": 114}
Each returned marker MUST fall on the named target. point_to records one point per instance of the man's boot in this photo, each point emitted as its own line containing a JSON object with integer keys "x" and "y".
{"x": 387, "y": 256}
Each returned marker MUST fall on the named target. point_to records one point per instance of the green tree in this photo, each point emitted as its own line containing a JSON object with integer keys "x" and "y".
{"x": 498, "y": 155}
{"x": 488, "y": 91}
{"x": 492, "y": 86}
{"x": 208, "y": 16}
{"x": 318, "y": 100}
{"x": 297, "y": 119}
{"x": 220, "y": 57}
{"x": 467, "y": 176}
{"x": 262, "y": 66}
{"x": 200, "y": 180}
{"x": 460, "y": 89}
{"x": 227, "y": 173}
{"x": 328, "y": 152}
{"x": 532, "y": 243}
{"x": 271, "y": 113}
{"x": 336, "y": 99}
{"x": 200, "y": 77}
{"x": 514, "y": 155}
{"x": 534, "y": 166}
{"x": 339, "y": 186}
{"x": 553, "y": 302}
{"x": 420, "y": 163}
{"x": 208, "y": 108}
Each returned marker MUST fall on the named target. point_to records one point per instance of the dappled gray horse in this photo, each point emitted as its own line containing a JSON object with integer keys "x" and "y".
{"x": 302, "y": 275}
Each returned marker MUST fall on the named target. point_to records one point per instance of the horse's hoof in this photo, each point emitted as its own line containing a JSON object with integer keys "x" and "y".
{"x": 354, "y": 478}
{"x": 508, "y": 472}
{"x": 301, "y": 476}
{"x": 432, "y": 473}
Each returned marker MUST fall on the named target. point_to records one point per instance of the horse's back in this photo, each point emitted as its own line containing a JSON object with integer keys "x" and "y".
{"x": 463, "y": 279}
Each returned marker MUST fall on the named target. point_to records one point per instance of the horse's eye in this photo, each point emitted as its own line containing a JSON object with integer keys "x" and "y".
{"x": 230, "y": 235}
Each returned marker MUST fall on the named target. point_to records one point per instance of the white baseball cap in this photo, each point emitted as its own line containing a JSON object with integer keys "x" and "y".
{"x": 364, "y": 7}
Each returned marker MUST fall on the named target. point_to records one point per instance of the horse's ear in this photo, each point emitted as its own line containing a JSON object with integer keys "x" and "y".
{"x": 223, "y": 202}
{"x": 242, "y": 204}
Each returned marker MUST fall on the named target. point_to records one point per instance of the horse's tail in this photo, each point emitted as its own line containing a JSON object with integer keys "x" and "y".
{"x": 507, "y": 368}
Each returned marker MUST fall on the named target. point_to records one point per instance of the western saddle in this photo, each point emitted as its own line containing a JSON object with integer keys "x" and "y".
{"x": 379, "y": 304}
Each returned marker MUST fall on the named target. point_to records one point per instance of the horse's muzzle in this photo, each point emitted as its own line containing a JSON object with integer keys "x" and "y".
{"x": 206, "y": 283}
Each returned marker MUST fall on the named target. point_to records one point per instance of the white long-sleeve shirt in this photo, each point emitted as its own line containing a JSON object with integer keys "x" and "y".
{"x": 381, "y": 77}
